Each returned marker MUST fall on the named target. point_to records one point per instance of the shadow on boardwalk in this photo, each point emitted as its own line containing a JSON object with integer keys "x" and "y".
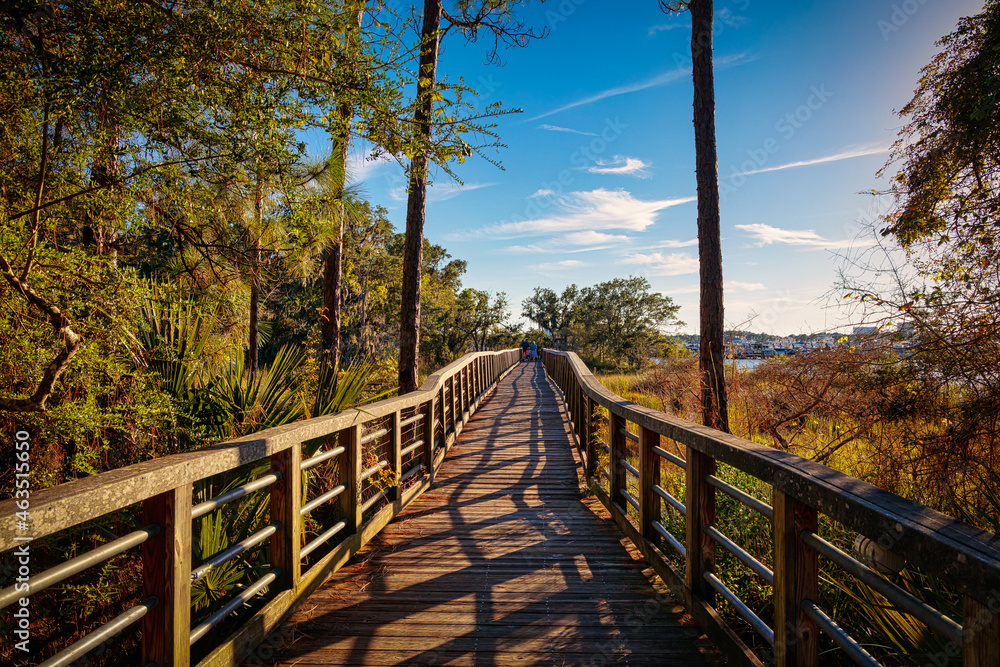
{"x": 499, "y": 563}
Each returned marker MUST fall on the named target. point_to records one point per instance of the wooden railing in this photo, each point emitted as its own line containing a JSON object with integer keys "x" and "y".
{"x": 635, "y": 442}
{"x": 406, "y": 436}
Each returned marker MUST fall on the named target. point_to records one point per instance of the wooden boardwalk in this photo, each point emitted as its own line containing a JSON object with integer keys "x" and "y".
{"x": 501, "y": 562}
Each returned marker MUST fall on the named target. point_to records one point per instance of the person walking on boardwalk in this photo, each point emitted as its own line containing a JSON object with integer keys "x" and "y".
{"x": 534, "y": 351}
{"x": 524, "y": 349}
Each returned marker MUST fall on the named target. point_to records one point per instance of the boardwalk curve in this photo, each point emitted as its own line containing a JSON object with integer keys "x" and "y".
{"x": 498, "y": 563}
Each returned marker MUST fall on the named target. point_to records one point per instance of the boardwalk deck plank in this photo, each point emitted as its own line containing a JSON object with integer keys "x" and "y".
{"x": 499, "y": 563}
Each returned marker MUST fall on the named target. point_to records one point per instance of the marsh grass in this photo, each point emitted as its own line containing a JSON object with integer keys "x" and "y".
{"x": 834, "y": 425}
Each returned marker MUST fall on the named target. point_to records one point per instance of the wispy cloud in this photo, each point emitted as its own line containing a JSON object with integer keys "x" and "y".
{"x": 590, "y": 210}
{"x": 768, "y": 235}
{"x": 556, "y": 128}
{"x": 591, "y": 237}
{"x": 664, "y": 27}
{"x": 660, "y": 79}
{"x": 554, "y": 246}
{"x": 631, "y": 166}
{"x": 531, "y": 248}
{"x": 669, "y": 243}
{"x": 843, "y": 155}
{"x": 674, "y": 264}
{"x": 553, "y": 267}
{"x": 440, "y": 191}
{"x": 739, "y": 286}
{"x": 361, "y": 165}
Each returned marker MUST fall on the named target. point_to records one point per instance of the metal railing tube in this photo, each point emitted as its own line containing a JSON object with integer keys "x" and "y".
{"x": 235, "y": 550}
{"x": 322, "y": 456}
{"x": 57, "y": 573}
{"x": 233, "y": 604}
{"x": 906, "y": 602}
{"x": 742, "y": 496}
{"x": 673, "y": 458}
{"x": 319, "y": 500}
{"x": 374, "y": 435}
{"x": 323, "y": 537}
{"x": 75, "y": 651}
{"x": 628, "y": 466}
{"x": 419, "y": 442}
{"x": 759, "y": 626}
{"x": 671, "y": 540}
{"x": 412, "y": 420}
{"x": 761, "y": 570}
{"x": 836, "y": 633}
{"x": 201, "y": 509}
{"x": 631, "y": 501}
{"x": 676, "y": 504}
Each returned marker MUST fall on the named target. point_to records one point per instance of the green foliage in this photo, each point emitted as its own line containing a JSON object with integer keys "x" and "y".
{"x": 618, "y": 321}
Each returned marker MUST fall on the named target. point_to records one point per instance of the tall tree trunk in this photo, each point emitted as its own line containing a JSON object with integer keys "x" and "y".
{"x": 714, "y": 406}
{"x": 254, "y": 342}
{"x": 333, "y": 269}
{"x": 103, "y": 172}
{"x": 409, "y": 327}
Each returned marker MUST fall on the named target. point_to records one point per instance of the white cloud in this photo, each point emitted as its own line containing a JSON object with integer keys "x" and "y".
{"x": 674, "y": 264}
{"x": 843, "y": 155}
{"x": 361, "y": 165}
{"x": 669, "y": 243}
{"x": 591, "y": 210}
{"x": 664, "y": 27}
{"x": 629, "y": 165}
{"x": 531, "y": 248}
{"x": 440, "y": 191}
{"x": 768, "y": 235}
{"x": 550, "y": 267}
{"x": 658, "y": 80}
{"x": 739, "y": 286}
{"x": 557, "y": 128}
{"x": 541, "y": 193}
{"x": 591, "y": 237}
{"x": 449, "y": 189}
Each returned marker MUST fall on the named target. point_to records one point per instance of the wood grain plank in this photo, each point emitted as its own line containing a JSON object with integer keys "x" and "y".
{"x": 499, "y": 562}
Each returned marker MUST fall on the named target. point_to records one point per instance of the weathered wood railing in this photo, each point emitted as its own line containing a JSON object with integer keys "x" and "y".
{"x": 409, "y": 435}
{"x": 962, "y": 557}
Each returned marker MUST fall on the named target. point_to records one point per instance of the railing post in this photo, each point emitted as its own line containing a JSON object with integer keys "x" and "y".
{"x": 477, "y": 379}
{"x": 453, "y": 404}
{"x": 350, "y": 477}
{"x": 591, "y": 441}
{"x": 166, "y": 573}
{"x": 700, "y": 513}
{"x": 286, "y": 498}
{"x": 460, "y": 417}
{"x": 795, "y": 579}
{"x": 395, "y": 455}
{"x": 616, "y": 445}
{"x": 980, "y": 634}
{"x": 444, "y": 415}
{"x": 464, "y": 394}
{"x": 649, "y": 467}
{"x": 428, "y": 423}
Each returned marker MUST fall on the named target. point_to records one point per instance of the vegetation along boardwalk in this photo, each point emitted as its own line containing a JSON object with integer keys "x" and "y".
{"x": 498, "y": 563}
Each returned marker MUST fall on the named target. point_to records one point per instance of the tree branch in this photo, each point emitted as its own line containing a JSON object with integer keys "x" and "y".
{"x": 60, "y": 323}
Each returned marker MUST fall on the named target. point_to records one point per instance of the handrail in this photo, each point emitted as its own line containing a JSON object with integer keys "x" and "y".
{"x": 412, "y": 434}
{"x": 963, "y": 557}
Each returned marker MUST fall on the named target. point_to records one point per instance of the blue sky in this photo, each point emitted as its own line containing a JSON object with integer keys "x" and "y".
{"x": 599, "y": 170}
